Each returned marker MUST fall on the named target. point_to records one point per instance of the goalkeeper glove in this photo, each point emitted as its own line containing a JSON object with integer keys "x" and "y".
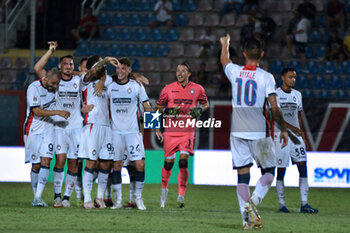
{"x": 174, "y": 112}
{"x": 196, "y": 112}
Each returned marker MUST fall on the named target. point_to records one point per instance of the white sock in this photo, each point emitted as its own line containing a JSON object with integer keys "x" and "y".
{"x": 243, "y": 195}
{"x": 42, "y": 179}
{"x": 79, "y": 187}
{"x": 261, "y": 190}
{"x": 138, "y": 188}
{"x": 117, "y": 189}
{"x": 280, "y": 192}
{"x": 304, "y": 190}
{"x": 102, "y": 182}
{"x": 71, "y": 179}
{"x": 34, "y": 179}
{"x": 87, "y": 184}
{"x": 132, "y": 191}
{"x": 57, "y": 176}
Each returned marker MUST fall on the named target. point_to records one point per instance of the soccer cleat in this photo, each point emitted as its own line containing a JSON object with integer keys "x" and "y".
{"x": 163, "y": 197}
{"x": 108, "y": 202}
{"x": 284, "y": 209}
{"x": 130, "y": 205}
{"x": 247, "y": 226}
{"x": 254, "y": 215}
{"x": 66, "y": 203}
{"x": 308, "y": 209}
{"x": 57, "y": 203}
{"x": 117, "y": 205}
{"x": 80, "y": 203}
{"x": 181, "y": 201}
{"x": 99, "y": 203}
{"x": 139, "y": 204}
{"x": 38, "y": 202}
{"x": 89, "y": 205}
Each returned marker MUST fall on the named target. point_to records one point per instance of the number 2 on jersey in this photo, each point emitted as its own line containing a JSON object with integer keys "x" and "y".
{"x": 249, "y": 92}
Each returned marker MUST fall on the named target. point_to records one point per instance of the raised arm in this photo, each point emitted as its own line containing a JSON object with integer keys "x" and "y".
{"x": 39, "y": 66}
{"x": 225, "y": 54}
{"x": 98, "y": 67}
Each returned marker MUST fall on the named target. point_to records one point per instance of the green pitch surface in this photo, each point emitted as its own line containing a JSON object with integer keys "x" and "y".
{"x": 208, "y": 209}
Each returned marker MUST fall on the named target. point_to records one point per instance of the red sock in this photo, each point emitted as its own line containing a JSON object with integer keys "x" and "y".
{"x": 165, "y": 178}
{"x": 182, "y": 179}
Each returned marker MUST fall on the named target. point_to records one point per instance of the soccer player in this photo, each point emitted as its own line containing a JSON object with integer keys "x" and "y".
{"x": 251, "y": 87}
{"x": 39, "y": 130}
{"x": 124, "y": 95}
{"x": 290, "y": 102}
{"x": 180, "y": 98}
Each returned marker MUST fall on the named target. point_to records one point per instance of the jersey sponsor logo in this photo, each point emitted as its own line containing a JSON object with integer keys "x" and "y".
{"x": 332, "y": 175}
{"x": 68, "y": 94}
{"x": 183, "y": 101}
{"x": 174, "y": 91}
{"x": 121, "y": 100}
{"x": 68, "y": 105}
{"x": 122, "y": 110}
{"x": 115, "y": 90}
{"x": 42, "y": 95}
{"x": 152, "y": 120}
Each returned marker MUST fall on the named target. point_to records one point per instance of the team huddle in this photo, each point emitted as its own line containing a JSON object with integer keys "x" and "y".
{"x": 90, "y": 115}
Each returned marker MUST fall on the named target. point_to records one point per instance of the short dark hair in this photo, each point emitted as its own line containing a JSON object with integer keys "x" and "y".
{"x": 82, "y": 60}
{"x": 66, "y": 56}
{"x": 125, "y": 61}
{"x": 253, "y": 49}
{"x": 91, "y": 61}
{"x": 286, "y": 70}
{"x": 185, "y": 63}
{"x": 53, "y": 72}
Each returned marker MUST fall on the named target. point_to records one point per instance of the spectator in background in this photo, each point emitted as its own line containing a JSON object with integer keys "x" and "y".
{"x": 334, "y": 47}
{"x": 2, "y": 10}
{"x": 201, "y": 76}
{"x": 229, "y": 6}
{"x": 162, "y": 10}
{"x": 290, "y": 37}
{"x": 264, "y": 28}
{"x": 301, "y": 37}
{"x": 247, "y": 31}
{"x": 346, "y": 44}
{"x": 308, "y": 9}
{"x": 87, "y": 28}
{"x": 335, "y": 14}
{"x": 207, "y": 41}
{"x": 250, "y": 6}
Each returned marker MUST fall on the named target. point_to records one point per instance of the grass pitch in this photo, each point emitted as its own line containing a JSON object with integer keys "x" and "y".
{"x": 208, "y": 209}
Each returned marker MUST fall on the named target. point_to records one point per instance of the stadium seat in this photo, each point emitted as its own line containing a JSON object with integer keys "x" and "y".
{"x": 134, "y": 20}
{"x": 343, "y": 67}
{"x": 315, "y": 36}
{"x": 311, "y": 67}
{"x": 192, "y": 50}
{"x": 177, "y": 50}
{"x": 334, "y": 82}
{"x": 155, "y": 35}
{"x": 98, "y": 49}
{"x": 196, "y": 20}
{"x": 347, "y": 6}
{"x": 171, "y": 34}
{"x": 189, "y": 5}
{"x": 320, "y": 20}
{"x": 103, "y": 18}
{"x": 8, "y": 77}
{"x": 147, "y": 64}
{"x": 181, "y": 20}
{"x": 21, "y": 63}
{"x": 139, "y": 34}
{"x": 109, "y": 34}
{"x": 212, "y": 20}
{"x": 164, "y": 65}
{"x": 276, "y": 66}
{"x": 143, "y": 5}
{"x": 162, "y": 50}
{"x": 186, "y": 34}
{"x": 205, "y": 5}
{"x": 176, "y": 5}
{"x": 317, "y": 82}
{"x": 346, "y": 83}
{"x": 284, "y": 5}
{"x": 326, "y": 36}
{"x": 147, "y": 18}
{"x": 341, "y": 94}
{"x": 212, "y": 65}
{"x": 5, "y": 63}
{"x": 146, "y": 50}
{"x": 328, "y": 67}
{"x": 309, "y": 52}
{"x": 326, "y": 94}
{"x": 52, "y": 63}
{"x": 135, "y": 65}
{"x": 128, "y": 5}
{"x": 307, "y": 93}
{"x": 118, "y": 19}
{"x": 112, "y": 5}
{"x": 296, "y": 65}
{"x": 301, "y": 82}
{"x": 114, "y": 50}
{"x": 124, "y": 34}
{"x": 130, "y": 50}
{"x": 320, "y": 51}
{"x": 83, "y": 49}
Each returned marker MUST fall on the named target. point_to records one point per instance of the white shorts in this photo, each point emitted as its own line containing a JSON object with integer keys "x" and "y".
{"x": 39, "y": 145}
{"x": 132, "y": 142}
{"x": 67, "y": 142}
{"x": 244, "y": 151}
{"x": 96, "y": 142}
{"x": 295, "y": 152}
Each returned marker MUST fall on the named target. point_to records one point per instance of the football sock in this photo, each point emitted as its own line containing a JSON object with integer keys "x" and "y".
{"x": 34, "y": 179}
{"x": 108, "y": 192}
{"x": 87, "y": 184}
{"x": 243, "y": 195}
{"x": 182, "y": 180}
{"x": 116, "y": 185}
{"x": 95, "y": 173}
{"x": 165, "y": 177}
{"x": 132, "y": 189}
{"x": 304, "y": 190}
{"x": 280, "y": 192}
{"x": 139, "y": 183}
{"x": 102, "y": 182}
{"x": 71, "y": 179}
{"x": 79, "y": 187}
{"x": 42, "y": 179}
{"x": 262, "y": 187}
{"x": 57, "y": 177}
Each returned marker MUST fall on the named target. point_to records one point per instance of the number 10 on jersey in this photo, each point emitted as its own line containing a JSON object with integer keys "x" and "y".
{"x": 248, "y": 89}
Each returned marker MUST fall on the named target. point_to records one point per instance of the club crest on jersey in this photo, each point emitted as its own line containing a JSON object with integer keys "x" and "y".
{"x": 192, "y": 91}
{"x": 58, "y": 147}
{"x": 35, "y": 98}
{"x": 75, "y": 85}
{"x": 129, "y": 90}
{"x": 94, "y": 152}
{"x": 294, "y": 99}
{"x": 279, "y": 161}
{"x": 33, "y": 157}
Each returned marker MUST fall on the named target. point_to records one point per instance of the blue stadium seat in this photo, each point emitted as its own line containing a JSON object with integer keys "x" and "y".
{"x": 317, "y": 82}
{"x": 52, "y": 62}
{"x": 296, "y": 65}
{"x": 146, "y": 50}
{"x": 109, "y": 34}
{"x": 343, "y": 67}
{"x": 103, "y": 18}
{"x": 118, "y": 19}
{"x": 189, "y": 5}
{"x": 176, "y": 5}
{"x": 328, "y": 67}
{"x": 309, "y": 53}
{"x": 311, "y": 67}
{"x": 162, "y": 50}
{"x": 347, "y": 6}
{"x": 134, "y": 20}
{"x": 147, "y": 18}
{"x": 343, "y": 34}
{"x": 320, "y": 20}
{"x": 326, "y": 36}
{"x": 143, "y": 5}
{"x": 181, "y": 20}
{"x": 276, "y": 66}
{"x": 130, "y": 50}
{"x": 112, "y": 5}
{"x": 140, "y": 34}
{"x": 334, "y": 82}
{"x": 124, "y": 34}
{"x": 301, "y": 82}
{"x": 307, "y": 93}
{"x": 155, "y": 35}
{"x": 315, "y": 36}
{"x": 98, "y": 49}
{"x": 128, "y": 5}
{"x": 135, "y": 65}
{"x": 346, "y": 84}
{"x": 320, "y": 51}
{"x": 341, "y": 94}
{"x": 326, "y": 94}
{"x": 83, "y": 49}
{"x": 171, "y": 35}
{"x": 114, "y": 50}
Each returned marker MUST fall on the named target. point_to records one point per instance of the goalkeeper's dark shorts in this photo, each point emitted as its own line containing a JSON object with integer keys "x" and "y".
{"x": 183, "y": 142}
